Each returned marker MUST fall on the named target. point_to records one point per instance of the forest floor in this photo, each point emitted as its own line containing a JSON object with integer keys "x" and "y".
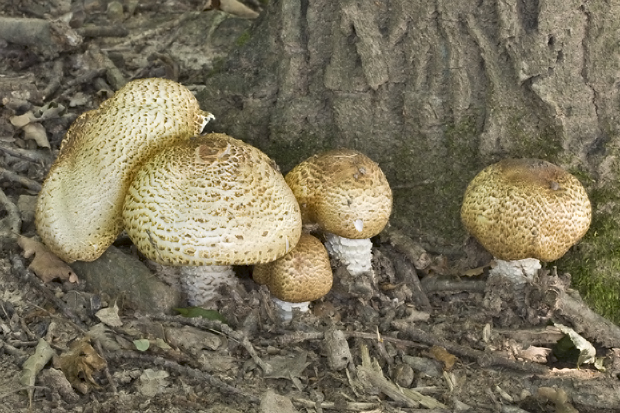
{"x": 427, "y": 333}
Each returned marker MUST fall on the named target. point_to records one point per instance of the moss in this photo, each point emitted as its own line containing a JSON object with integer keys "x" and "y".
{"x": 595, "y": 262}
{"x": 243, "y": 38}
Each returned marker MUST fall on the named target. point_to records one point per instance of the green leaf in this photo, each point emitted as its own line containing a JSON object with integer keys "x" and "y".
{"x": 201, "y": 312}
{"x": 142, "y": 344}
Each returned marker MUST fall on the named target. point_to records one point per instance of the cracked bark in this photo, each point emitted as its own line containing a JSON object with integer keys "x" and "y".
{"x": 432, "y": 90}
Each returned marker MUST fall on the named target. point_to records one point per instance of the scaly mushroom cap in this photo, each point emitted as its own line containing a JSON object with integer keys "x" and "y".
{"x": 79, "y": 208}
{"x": 304, "y": 274}
{"x": 526, "y": 208}
{"x": 344, "y": 192}
{"x": 213, "y": 200}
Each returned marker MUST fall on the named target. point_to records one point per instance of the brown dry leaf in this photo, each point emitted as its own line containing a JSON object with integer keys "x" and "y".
{"x": 79, "y": 364}
{"x": 45, "y": 264}
{"x": 474, "y": 272}
{"x": 441, "y": 354}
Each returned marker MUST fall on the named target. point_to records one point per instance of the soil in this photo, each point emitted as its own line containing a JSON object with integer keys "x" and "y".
{"x": 429, "y": 330}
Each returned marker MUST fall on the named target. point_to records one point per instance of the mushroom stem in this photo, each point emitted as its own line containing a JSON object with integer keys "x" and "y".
{"x": 202, "y": 283}
{"x": 355, "y": 254}
{"x": 519, "y": 272}
{"x": 285, "y": 309}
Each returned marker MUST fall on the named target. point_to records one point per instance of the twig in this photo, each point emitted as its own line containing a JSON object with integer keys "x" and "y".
{"x": 14, "y": 219}
{"x": 55, "y": 79}
{"x": 223, "y": 328}
{"x": 408, "y": 247}
{"x": 33, "y": 280}
{"x": 434, "y": 284}
{"x": 172, "y": 365}
{"x": 28, "y": 155}
{"x": 483, "y": 359}
{"x": 106, "y": 369}
{"x": 116, "y": 30}
{"x": 22, "y": 180}
{"x": 350, "y": 406}
{"x": 407, "y": 273}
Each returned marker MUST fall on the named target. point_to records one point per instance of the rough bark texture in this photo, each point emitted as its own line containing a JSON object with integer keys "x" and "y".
{"x": 434, "y": 91}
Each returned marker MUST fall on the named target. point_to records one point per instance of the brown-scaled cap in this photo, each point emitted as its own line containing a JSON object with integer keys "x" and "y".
{"x": 344, "y": 192}
{"x": 212, "y": 200}
{"x": 304, "y": 274}
{"x": 526, "y": 208}
{"x": 78, "y": 212}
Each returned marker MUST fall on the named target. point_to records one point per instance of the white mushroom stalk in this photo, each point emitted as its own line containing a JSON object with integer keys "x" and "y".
{"x": 78, "y": 213}
{"x": 347, "y": 195}
{"x": 524, "y": 211}
{"x": 211, "y": 201}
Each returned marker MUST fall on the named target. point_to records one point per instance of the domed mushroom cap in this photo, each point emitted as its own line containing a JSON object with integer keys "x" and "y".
{"x": 526, "y": 208}
{"x": 78, "y": 212}
{"x": 304, "y": 274}
{"x": 344, "y": 192}
{"x": 213, "y": 200}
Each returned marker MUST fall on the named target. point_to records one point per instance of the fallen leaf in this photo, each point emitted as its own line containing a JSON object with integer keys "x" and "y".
{"x": 109, "y": 316}
{"x": 45, "y": 264}
{"x": 474, "y": 272}
{"x": 441, "y": 354}
{"x": 79, "y": 364}
{"x": 142, "y": 344}
{"x": 34, "y": 364}
{"x": 190, "y": 312}
{"x": 37, "y": 133}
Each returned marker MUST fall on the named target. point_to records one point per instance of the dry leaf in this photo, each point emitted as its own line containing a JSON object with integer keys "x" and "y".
{"x": 234, "y": 7}
{"x": 79, "y": 364}
{"x": 45, "y": 264}
{"x": 37, "y": 133}
{"x": 474, "y": 272}
{"x": 441, "y": 354}
{"x": 109, "y": 316}
{"x": 34, "y": 364}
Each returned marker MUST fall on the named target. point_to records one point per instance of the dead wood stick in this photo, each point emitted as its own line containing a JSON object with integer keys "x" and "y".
{"x": 55, "y": 80}
{"x": 408, "y": 247}
{"x": 172, "y": 365}
{"x": 349, "y": 406}
{"x": 439, "y": 284}
{"x": 406, "y": 272}
{"x": 106, "y": 369}
{"x": 483, "y": 359}
{"x": 28, "y": 155}
{"x": 238, "y": 336}
{"x": 42, "y": 35}
{"x": 22, "y": 180}
{"x": 14, "y": 219}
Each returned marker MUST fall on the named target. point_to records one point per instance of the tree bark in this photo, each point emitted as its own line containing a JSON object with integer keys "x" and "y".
{"x": 434, "y": 91}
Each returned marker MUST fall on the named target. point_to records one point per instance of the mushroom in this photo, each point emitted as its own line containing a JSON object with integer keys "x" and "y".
{"x": 78, "y": 213}
{"x": 347, "y": 195}
{"x": 301, "y": 276}
{"x": 524, "y": 211}
{"x": 210, "y": 201}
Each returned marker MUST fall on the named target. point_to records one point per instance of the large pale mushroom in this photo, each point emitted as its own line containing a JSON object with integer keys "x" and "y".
{"x": 302, "y": 275}
{"x": 524, "y": 211}
{"x": 211, "y": 201}
{"x": 347, "y": 195}
{"x": 78, "y": 212}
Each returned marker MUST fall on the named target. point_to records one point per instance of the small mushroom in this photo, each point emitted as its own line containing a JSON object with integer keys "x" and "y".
{"x": 211, "y": 201}
{"x": 78, "y": 212}
{"x": 347, "y": 195}
{"x": 525, "y": 209}
{"x": 301, "y": 276}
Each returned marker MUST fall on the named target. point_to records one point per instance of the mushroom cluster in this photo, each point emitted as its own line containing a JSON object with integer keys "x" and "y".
{"x": 526, "y": 209}
{"x": 136, "y": 163}
{"x": 348, "y": 197}
{"x": 78, "y": 213}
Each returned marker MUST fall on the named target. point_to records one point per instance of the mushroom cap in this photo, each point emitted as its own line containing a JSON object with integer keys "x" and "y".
{"x": 304, "y": 274}
{"x": 526, "y": 208}
{"x": 212, "y": 200}
{"x": 78, "y": 212}
{"x": 344, "y": 192}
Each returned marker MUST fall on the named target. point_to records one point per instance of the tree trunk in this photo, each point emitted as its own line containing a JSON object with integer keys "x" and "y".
{"x": 434, "y": 91}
